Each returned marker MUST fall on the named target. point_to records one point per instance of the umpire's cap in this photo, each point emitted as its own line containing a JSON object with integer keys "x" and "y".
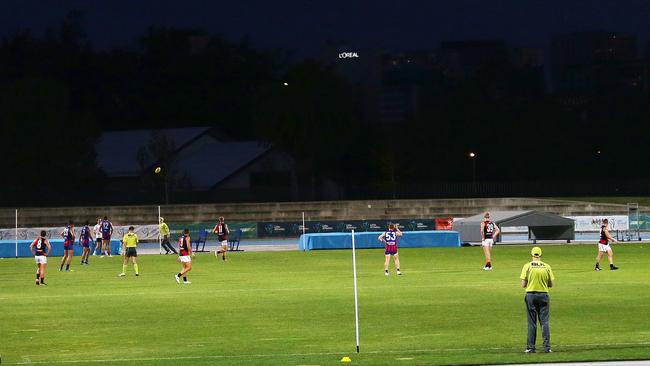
{"x": 536, "y": 252}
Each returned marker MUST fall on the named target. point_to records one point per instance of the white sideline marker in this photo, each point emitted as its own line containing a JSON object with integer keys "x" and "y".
{"x": 356, "y": 298}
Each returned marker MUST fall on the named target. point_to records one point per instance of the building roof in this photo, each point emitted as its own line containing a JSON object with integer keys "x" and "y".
{"x": 117, "y": 151}
{"x": 210, "y": 161}
{"x": 521, "y": 218}
{"x": 541, "y": 225}
{"x": 204, "y": 159}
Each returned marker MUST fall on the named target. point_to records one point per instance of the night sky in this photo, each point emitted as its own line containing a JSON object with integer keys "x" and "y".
{"x": 303, "y": 26}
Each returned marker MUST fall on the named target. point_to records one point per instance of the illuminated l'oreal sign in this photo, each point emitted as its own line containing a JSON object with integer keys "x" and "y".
{"x": 348, "y": 55}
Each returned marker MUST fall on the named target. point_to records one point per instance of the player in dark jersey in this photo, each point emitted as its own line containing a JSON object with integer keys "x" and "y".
{"x": 68, "y": 246}
{"x": 222, "y": 231}
{"x": 603, "y": 246}
{"x": 389, "y": 238}
{"x": 41, "y": 248}
{"x": 489, "y": 232}
{"x": 184, "y": 256}
{"x": 85, "y": 238}
{"x": 106, "y": 227}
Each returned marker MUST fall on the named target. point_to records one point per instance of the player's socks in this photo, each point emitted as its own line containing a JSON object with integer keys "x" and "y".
{"x": 135, "y": 266}
{"x": 385, "y": 272}
{"x": 612, "y": 267}
{"x": 42, "y": 280}
{"x": 67, "y": 268}
{"x": 185, "y": 278}
{"x": 37, "y": 276}
{"x": 61, "y": 267}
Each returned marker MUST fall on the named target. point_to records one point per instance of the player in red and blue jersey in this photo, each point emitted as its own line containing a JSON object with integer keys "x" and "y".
{"x": 106, "y": 227}
{"x": 390, "y": 239}
{"x": 68, "y": 246}
{"x": 85, "y": 237}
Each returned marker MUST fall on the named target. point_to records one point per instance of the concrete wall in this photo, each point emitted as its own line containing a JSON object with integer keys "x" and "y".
{"x": 291, "y": 211}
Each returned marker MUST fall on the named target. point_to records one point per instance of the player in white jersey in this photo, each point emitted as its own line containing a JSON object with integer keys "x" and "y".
{"x": 98, "y": 235}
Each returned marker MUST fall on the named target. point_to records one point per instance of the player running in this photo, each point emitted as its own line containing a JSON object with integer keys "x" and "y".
{"x": 106, "y": 227}
{"x": 603, "y": 246}
{"x": 41, "y": 248}
{"x": 85, "y": 237}
{"x": 222, "y": 231}
{"x": 184, "y": 256}
{"x": 98, "y": 235}
{"x": 68, "y": 246}
{"x": 390, "y": 239}
{"x": 489, "y": 231}
{"x": 129, "y": 245}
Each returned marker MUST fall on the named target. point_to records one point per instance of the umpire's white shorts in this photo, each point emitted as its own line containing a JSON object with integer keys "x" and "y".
{"x": 487, "y": 242}
{"x": 40, "y": 259}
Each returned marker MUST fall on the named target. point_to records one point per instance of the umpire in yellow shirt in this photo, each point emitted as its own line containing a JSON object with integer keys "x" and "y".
{"x": 537, "y": 277}
{"x": 164, "y": 234}
{"x": 129, "y": 245}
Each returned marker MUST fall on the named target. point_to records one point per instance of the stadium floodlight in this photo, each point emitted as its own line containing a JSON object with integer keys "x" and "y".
{"x": 472, "y": 156}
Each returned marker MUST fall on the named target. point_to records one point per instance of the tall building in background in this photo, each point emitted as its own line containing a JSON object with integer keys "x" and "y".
{"x": 596, "y": 62}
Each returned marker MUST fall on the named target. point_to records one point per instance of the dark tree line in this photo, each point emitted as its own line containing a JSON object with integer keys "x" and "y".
{"x": 57, "y": 94}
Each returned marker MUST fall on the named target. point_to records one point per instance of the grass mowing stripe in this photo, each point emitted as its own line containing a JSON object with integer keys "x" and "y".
{"x": 391, "y": 352}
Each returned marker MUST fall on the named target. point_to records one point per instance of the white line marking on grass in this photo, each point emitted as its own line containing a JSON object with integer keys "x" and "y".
{"x": 419, "y": 335}
{"x": 267, "y": 355}
{"x": 404, "y": 358}
{"x": 283, "y": 339}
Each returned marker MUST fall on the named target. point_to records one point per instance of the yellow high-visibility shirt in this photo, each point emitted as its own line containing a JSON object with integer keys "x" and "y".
{"x": 130, "y": 240}
{"x": 538, "y": 274}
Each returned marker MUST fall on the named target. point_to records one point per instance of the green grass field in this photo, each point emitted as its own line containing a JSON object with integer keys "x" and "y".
{"x": 294, "y": 308}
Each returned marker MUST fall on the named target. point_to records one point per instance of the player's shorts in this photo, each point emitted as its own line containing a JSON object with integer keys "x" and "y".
{"x": 40, "y": 259}
{"x": 98, "y": 240}
{"x": 106, "y": 236}
{"x": 390, "y": 250}
{"x": 85, "y": 243}
{"x": 68, "y": 245}
{"x": 185, "y": 258}
{"x": 604, "y": 247}
{"x": 487, "y": 242}
{"x": 131, "y": 252}
{"x": 224, "y": 243}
